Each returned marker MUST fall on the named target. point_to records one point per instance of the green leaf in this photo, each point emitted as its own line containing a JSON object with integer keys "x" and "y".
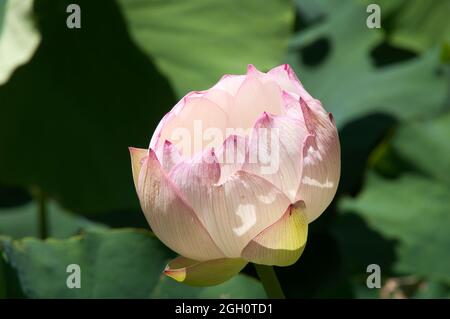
{"x": 361, "y": 245}
{"x": 114, "y": 264}
{"x": 21, "y": 221}
{"x": 311, "y": 10}
{"x": 18, "y": 36}
{"x": 420, "y": 25}
{"x": 68, "y": 117}
{"x": 347, "y": 82}
{"x": 9, "y": 283}
{"x": 428, "y": 150}
{"x": 412, "y": 210}
{"x": 196, "y": 42}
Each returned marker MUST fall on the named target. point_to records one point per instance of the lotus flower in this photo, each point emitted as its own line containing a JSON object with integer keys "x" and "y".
{"x": 234, "y": 174}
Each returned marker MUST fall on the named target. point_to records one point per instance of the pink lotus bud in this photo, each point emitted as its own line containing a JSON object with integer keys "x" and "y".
{"x": 234, "y": 174}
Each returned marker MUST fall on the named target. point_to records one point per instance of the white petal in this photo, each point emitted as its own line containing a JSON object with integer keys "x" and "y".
{"x": 321, "y": 162}
{"x": 170, "y": 217}
{"x": 168, "y": 155}
{"x": 292, "y": 105}
{"x": 220, "y": 97}
{"x": 276, "y": 151}
{"x": 196, "y": 126}
{"x": 231, "y": 156}
{"x": 230, "y": 83}
{"x": 287, "y": 79}
{"x": 252, "y": 99}
{"x": 234, "y": 212}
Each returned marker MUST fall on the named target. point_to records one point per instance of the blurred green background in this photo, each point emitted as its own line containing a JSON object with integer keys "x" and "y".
{"x": 73, "y": 100}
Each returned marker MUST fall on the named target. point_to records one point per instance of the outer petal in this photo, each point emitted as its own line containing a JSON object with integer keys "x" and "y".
{"x": 292, "y": 105}
{"x": 137, "y": 157}
{"x": 206, "y": 273}
{"x": 282, "y": 243}
{"x": 276, "y": 151}
{"x": 155, "y": 140}
{"x": 233, "y": 212}
{"x": 170, "y": 218}
{"x": 321, "y": 162}
{"x": 288, "y": 81}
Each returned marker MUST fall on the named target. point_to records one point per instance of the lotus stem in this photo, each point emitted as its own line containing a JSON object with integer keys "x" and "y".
{"x": 270, "y": 281}
{"x": 42, "y": 219}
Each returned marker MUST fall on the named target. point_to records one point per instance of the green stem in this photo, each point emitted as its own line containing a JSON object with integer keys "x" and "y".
{"x": 42, "y": 213}
{"x": 270, "y": 281}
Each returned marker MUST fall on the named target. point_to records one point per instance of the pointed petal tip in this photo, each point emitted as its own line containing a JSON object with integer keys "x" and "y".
{"x": 137, "y": 152}
{"x": 152, "y": 154}
{"x": 286, "y": 95}
{"x": 282, "y": 243}
{"x": 138, "y": 156}
{"x": 167, "y": 143}
{"x": 308, "y": 116}
{"x": 250, "y": 68}
{"x": 331, "y": 117}
{"x": 285, "y": 68}
{"x": 291, "y": 73}
{"x": 264, "y": 119}
{"x": 253, "y": 70}
{"x": 178, "y": 274}
{"x": 133, "y": 149}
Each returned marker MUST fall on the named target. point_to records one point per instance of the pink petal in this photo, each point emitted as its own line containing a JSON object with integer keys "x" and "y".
{"x": 155, "y": 140}
{"x": 220, "y": 97}
{"x": 230, "y": 83}
{"x": 292, "y": 105}
{"x": 231, "y": 156}
{"x": 253, "y": 71}
{"x": 252, "y": 99}
{"x": 234, "y": 212}
{"x": 287, "y": 79}
{"x": 168, "y": 156}
{"x": 194, "y": 126}
{"x": 170, "y": 217}
{"x": 276, "y": 150}
{"x": 321, "y": 162}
